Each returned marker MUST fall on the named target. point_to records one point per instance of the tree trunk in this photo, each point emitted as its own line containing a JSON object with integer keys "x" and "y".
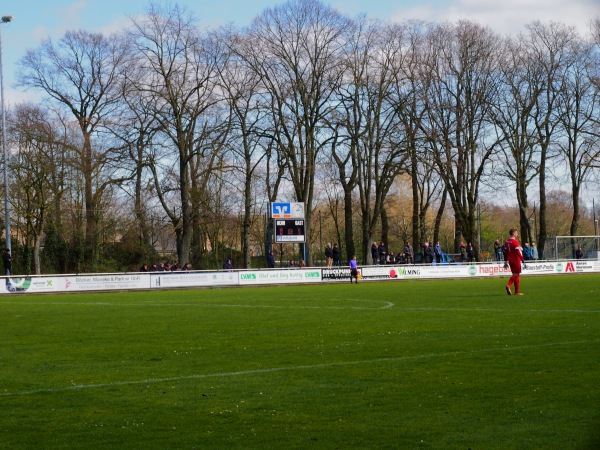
{"x": 348, "y": 225}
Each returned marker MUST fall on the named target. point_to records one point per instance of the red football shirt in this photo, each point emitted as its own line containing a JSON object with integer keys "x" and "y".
{"x": 513, "y": 250}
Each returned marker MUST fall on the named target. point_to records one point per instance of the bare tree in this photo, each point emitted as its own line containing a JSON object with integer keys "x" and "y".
{"x": 81, "y": 73}
{"x": 458, "y": 102}
{"x": 548, "y": 46}
{"x": 295, "y": 49}
{"x": 241, "y": 87}
{"x": 522, "y": 82}
{"x": 176, "y": 71}
{"x": 412, "y": 76}
{"x": 369, "y": 116}
{"x": 579, "y": 104}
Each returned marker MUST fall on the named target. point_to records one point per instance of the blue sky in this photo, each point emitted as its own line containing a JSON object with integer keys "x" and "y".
{"x": 35, "y": 20}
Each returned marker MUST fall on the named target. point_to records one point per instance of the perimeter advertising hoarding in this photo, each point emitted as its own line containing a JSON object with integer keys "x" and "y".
{"x": 336, "y": 274}
{"x": 75, "y": 283}
{"x": 413, "y": 272}
{"x": 107, "y": 282}
{"x": 280, "y": 276}
{"x": 32, "y": 285}
{"x": 192, "y": 279}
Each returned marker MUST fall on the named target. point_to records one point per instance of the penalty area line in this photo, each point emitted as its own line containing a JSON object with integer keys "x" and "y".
{"x": 79, "y": 387}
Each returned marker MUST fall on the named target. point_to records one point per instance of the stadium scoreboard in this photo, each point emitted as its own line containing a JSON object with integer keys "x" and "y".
{"x": 289, "y": 230}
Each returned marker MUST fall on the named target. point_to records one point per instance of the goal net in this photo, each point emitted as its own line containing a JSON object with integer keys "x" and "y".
{"x": 565, "y": 247}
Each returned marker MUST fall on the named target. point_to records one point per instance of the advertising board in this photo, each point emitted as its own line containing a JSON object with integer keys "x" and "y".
{"x": 13, "y": 285}
{"x": 287, "y": 210}
{"x": 280, "y": 276}
{"x": 193, "y": 279}
{"x": 107, "y": 282}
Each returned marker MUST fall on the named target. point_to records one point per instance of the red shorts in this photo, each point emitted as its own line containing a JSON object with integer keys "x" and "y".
{"x": 515, "y": 266}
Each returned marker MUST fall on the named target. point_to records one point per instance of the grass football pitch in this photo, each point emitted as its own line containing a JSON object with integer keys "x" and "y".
{"x": 452, "y": 364}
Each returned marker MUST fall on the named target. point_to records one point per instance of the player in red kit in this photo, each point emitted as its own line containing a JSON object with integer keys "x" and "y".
{"x": 514, "y": 257}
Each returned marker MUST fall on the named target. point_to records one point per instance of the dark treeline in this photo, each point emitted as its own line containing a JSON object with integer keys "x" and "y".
{"x": 169, "y": 136}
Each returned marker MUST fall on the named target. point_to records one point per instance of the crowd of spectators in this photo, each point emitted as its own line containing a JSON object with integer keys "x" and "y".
{"x": 166, "y": 267}
{"x": 382, "y": 255}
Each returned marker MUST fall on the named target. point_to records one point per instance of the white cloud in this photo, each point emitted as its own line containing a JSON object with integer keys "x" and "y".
{"x": 71, "y": 15}
{"x": 508, "y": 16}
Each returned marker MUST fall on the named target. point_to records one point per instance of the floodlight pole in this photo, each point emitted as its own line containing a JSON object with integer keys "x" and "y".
{"x": 5, "y": 19}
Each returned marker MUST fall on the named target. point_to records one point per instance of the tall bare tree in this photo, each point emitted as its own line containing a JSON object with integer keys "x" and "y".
{"x": 458, "y": 103}
{"x": 81, "y": 73}
{"x": 579, "y": 106}
{"x": 522, "y": 82}
{"x": 548, "y": 46}
{"x": 369, "y": 115}
{"x": 176, "y": 72}
{"x": 241, "y": 88}
{"x": 295, "y": 49}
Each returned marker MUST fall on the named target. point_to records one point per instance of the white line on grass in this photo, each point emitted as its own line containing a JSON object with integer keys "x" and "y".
{"x": 284, "y": 369}
{"x": 506, "y": 310}
{"x": 386, "y": 305}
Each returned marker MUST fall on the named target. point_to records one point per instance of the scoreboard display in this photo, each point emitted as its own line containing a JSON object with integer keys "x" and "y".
{"x": 289, "y": 230}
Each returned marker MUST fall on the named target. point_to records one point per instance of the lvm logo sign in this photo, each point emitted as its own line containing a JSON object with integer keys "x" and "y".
{"x": 312, "y": 274}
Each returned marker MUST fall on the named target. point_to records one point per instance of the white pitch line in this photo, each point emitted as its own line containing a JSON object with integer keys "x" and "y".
{"x": 386, "y": 305}
{"x": 506, "y": 310}
{"x": 285, "y": 369}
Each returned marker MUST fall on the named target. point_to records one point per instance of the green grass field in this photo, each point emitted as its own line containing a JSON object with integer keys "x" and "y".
{"x": 435, "y": 365}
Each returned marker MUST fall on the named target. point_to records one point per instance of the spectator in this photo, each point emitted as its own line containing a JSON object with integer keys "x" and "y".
{"x": 534, "y": 252}
{"x": 498, "y": 250}
{"x": 579, "y": 253}
{"x": 375, "y": 252}
{"x": 381, "y": 251}
{"x": 526, "y": 252}
{"x": 337, "y": 255}
{"x": 470, "y": 253}
{"x": 7, "y": 260}
{"x": 390, "y": 258}
{"x": 425, "y": 247}
{"x": 270, "y": 260}
{"x": 399, "y": 258}
{"x": 144, "y": 268}
{"x": 228, "y": 265}
{"x": 329, "y": 255}
{"x": 409, "y": 253}
{"x": 429, "y": 252}
{"x": 463, "y": 252}
{"x": 301, "y": 264}
{"x": 154, "y": 267}
{"x": 186, "y": 267}
{"x": 437, "y": 250}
